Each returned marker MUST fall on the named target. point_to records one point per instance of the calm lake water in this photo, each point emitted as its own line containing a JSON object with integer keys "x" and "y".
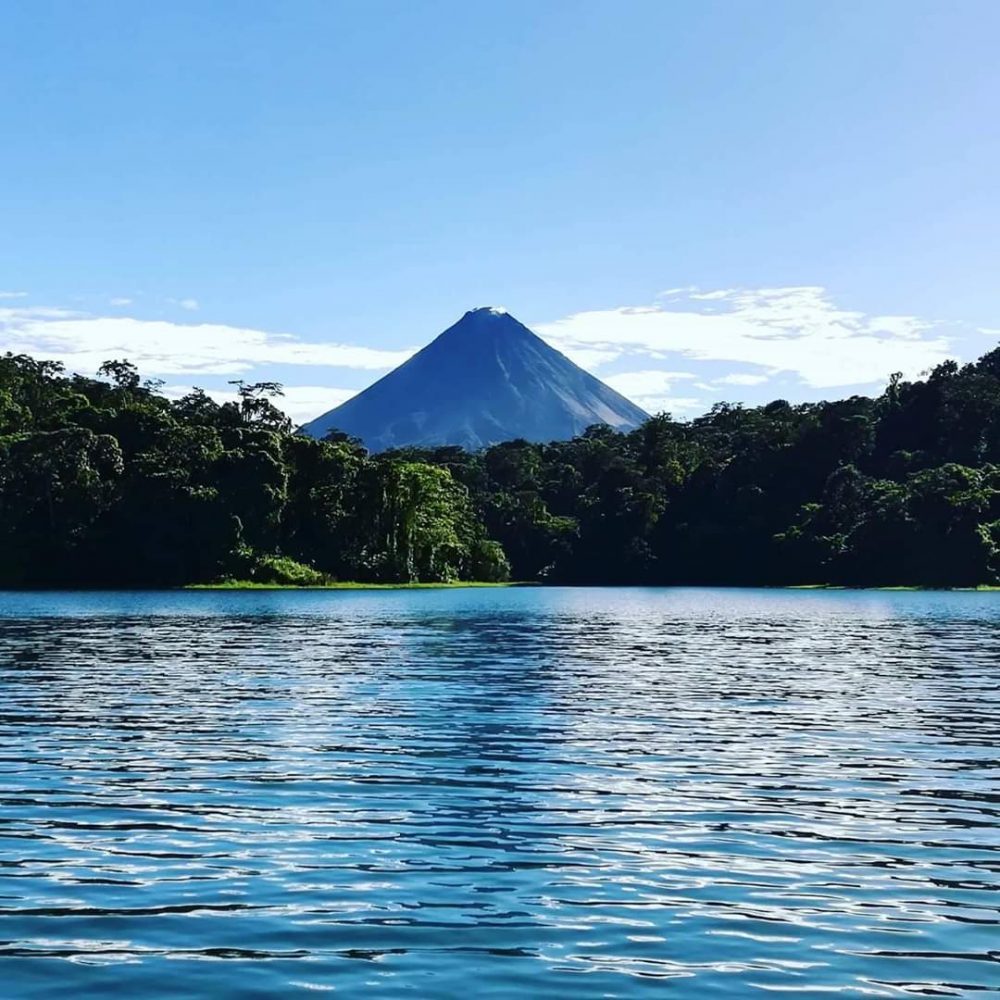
{"x": 500, "y": 793}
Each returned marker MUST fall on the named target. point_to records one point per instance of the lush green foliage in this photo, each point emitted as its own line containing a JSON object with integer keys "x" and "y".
{"x": 106, "y": 482}
{"x": 902, "y": 489}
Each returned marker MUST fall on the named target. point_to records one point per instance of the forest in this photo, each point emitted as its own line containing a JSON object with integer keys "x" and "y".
{"x": 106, "y": 482}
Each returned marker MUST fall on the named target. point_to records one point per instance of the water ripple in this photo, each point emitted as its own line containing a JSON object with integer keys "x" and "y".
{"x": 525, "y": 792}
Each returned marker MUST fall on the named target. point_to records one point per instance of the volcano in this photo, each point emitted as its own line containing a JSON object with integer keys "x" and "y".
{"x": 484, "y": 380}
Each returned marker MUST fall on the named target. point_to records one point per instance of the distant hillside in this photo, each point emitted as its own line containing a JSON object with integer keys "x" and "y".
{"x": 484, "y": 380}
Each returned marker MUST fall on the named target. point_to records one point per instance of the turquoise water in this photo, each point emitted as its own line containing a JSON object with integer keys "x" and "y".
{"x": 499, "y": 793}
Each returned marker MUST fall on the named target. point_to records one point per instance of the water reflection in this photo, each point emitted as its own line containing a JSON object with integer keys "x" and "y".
{"x": 559, "y": 793}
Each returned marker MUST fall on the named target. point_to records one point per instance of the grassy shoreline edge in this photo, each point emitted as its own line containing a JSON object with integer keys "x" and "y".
{"x": 467, "y": 584}
{"x": 347, "y": 585}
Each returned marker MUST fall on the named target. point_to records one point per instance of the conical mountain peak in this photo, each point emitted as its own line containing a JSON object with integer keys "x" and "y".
{"x": 485, "y": 323}
{"x": 486, "y": 379}
{"x": 489, "y": 310}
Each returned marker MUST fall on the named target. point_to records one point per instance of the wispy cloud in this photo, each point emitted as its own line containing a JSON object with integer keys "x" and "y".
{"x": 120, "y": 300}
{"x": 590, "y": 358}
{"x": 159, "y": 347}
{"x": 652, "y": 389}
{"x": 741, "y": 378}
{"x": 680, "y": 355}
{"x": 796, "y": 331}
{"x": 191, "y": 305}
{"x": 300, "y": 402}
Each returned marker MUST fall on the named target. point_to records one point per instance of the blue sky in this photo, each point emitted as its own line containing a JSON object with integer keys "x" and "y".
{"x": 696, "y": 200}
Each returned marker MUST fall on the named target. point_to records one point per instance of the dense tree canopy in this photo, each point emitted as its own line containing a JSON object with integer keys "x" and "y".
{"x": 107, "y": 482}
{"x": 899, "y": 490}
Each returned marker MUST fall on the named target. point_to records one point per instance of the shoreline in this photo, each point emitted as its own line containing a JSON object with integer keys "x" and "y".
{"x": 347, "y": 585}
{"x": 457, "y": 585}
{"x": 240, "y": 585}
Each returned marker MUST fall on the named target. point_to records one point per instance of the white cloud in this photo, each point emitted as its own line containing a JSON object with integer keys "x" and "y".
{"x": 119, "y": 300}
{"x": 646, "y": 382}
{"x": 10, "y": 315}
{"x": 684, "y": 406}
{"x": 191, "y": 305}
{"x": 301, "y": 402}
{"x": 797, "y": 330}
{"x": 742, "y": 378}
{"x": 159, "y": 347}
{"x": 305, "y": 402}
{"x": 797, "y": 333}
{"x": 651, "y": 389}
{"x": 590, "y": 357}
{"x": 13, "y": 295}
{"x": 907, "y": 327}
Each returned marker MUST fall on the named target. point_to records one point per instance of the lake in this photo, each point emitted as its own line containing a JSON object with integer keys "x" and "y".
{"x": 500, "y": 793}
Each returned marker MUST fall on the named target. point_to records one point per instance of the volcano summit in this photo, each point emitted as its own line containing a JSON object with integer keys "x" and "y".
{"x": 486, "y": 379}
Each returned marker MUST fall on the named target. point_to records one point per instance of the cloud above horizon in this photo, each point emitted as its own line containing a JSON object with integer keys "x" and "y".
{"x": 301, "y": 402}
{"x": 160, "y": 347}
{"x": 654, "y": 390}
{"x": 796, "y": 331}
{"x": 688, "y": 349}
